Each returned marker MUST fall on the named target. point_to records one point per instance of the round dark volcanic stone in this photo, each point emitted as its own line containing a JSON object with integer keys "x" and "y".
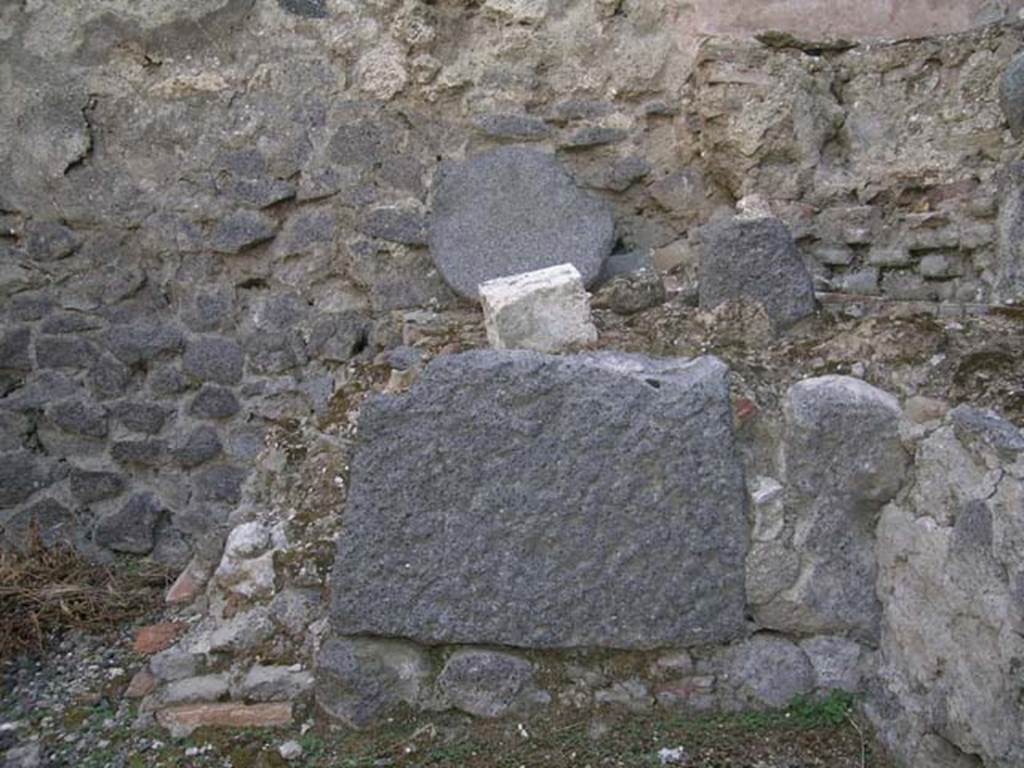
{"x": 510, "y": 211}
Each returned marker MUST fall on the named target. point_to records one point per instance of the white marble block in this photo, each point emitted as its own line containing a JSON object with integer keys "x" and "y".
{"x": 547, "y": 310}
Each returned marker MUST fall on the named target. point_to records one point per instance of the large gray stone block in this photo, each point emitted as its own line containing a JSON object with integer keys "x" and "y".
{"x": 755, "y": 259}
{"x": 844, "y": 460}
{"x": 510, "y": 211}
{"x": 525, "y": 500}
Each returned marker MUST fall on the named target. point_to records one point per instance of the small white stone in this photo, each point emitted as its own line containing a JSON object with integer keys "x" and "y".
{"x": 546, "y": 311}
{"x": 767, "y": 507}
{"x": 673, "y": 756}
{"x": 290, "y": 750}
{"x": 247, "y": 540}
{"x": 753, "y": 207}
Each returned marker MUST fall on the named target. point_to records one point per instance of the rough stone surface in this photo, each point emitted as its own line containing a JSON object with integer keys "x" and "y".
{"x": 508, "y": 447}
{"x": 290, "y": 751}
{"x": 202, "y": 445}
{"x": 143, "y": 342}
{"x": 625, "y": 264}
{"x": 339, "y": 337}
{"x": 978, "y": 427}
{"x": 310, "y": 9}
{"x": 143, "y": 417}
{"x": 511, "y": 211}
{"x": 632, "y": 694}
{"x": 755, "y": 259}
{"x": 950, "y": 577}
{"x": 921, "y": 410}
{"x": 242, "y": 230}
{"x": 131, "y": 529}
{"x": 88, "y": 487}
{"x": 546, "y": 311}
{"x": 141, "y": 453}
{"x": 21, "y": 475}
{"x": 844, "y": 460}
{"x": 933, "y": 751}
{"x": 24, "y": 756}
{"x": 220, "y": 483}
{"x": 213, "y": 402}
{"x": 50, "y": 241}
{"x": 174, "y": 663}
{"x": 396, "y": 225}
{"x": 141, "y": 685}
{"x": 190, "y": 581}
{"x": 517, "y": 127}
{"x": 214, "y": 359}
{"x": 485, "y": 683}
{"x": 135, "y": 135}
{"x": 1011, "y": 95}
{"x": 1010, "y": 277}
{"x": 769, "y": 671}
{"x": 837, "y": 663}
{"x": 273, "y": 683}
{"x": 14, "y": 349}
{"x": 79, "y": 418}
{"x": 247, "y": 568}
{"x": 358, "y": 681}
{"x": 49, "y": 519}
{"x": 519, "y": 11}
{"x": 64, "y": 352}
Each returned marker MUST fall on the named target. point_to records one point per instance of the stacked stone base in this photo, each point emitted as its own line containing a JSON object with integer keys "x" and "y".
{"x": 525, "y": 535}
{"x": 362, "y": 681}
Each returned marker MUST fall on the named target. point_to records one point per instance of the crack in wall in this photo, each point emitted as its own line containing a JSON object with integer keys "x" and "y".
{"x": 90, "y": 136}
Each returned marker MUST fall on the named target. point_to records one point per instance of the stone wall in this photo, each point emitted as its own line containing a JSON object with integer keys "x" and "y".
{"x": 888, "y": 161}
{"x": 206, "y": 208}
{"x": 209, "y": 210}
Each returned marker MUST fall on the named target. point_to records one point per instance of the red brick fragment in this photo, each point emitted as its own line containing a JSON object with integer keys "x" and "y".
{"x": 158, "y": 637}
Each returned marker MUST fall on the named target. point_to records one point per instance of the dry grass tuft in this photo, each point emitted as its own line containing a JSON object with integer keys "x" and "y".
{"x": 47, "y": 590}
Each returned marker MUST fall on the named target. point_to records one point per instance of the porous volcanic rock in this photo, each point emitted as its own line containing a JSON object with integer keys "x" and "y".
{"x": 755, "y": 259}
{"x": 526, "y": 500}
{"x": 510, "y": 211}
